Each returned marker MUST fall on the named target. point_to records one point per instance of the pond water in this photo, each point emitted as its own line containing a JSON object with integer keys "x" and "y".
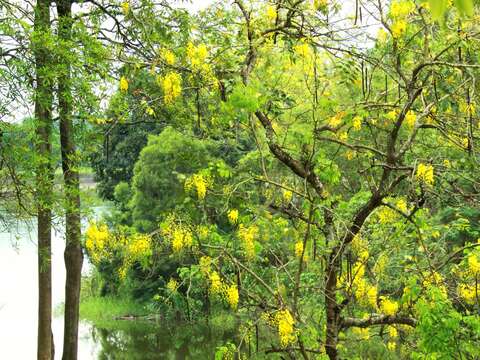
{"x": 124, "y": 340}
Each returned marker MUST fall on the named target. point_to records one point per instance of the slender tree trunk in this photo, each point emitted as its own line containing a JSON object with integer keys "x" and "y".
{"x": 332, "y": 310}
{"x": 331, "y": 305}
{"x": 73, "y": 252}
{"x": 43, "y": 118}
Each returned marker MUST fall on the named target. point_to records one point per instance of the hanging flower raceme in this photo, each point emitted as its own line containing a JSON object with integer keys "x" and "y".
{"x": 387, "y": 306}
{"x": 248, "y": 235}
{"x": 233, "y": 216}
{"x": 97, "y": 240}
{"x": 171, "y": 85}
{"x": 286, "y": 331}
{"x": 123, "y": 84}
{"x": 425, "y": 173}
{"x": 179, "y": 234}
{"x": 200, "y": 183}
{"x": 231, "y": 296}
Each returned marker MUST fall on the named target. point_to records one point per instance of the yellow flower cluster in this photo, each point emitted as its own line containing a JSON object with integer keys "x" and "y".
{"x": 168, "y": 56}
{"x": 198, "y": 182}
{"x": 468, "y": 293}
{"x": 473, "y": 264}
{"x": 171, "y": 85}
{"x": 231, "y": 295}
{"x": 401, "y": 8}
{"x": 398, "y": 28}
{"x": 123, "y": 84}
{"x": 172, "y": 285}
{"x": 425, "y": 173}
{"x": 218, "y": 287}
{"x": 139, "y": 246}
{"x": 125, "y": 7}
{"x": 179, "y": 235}
{"x": 271, "y": 13}
{"x": 387, "y": 306}
{"x": 286, "y": 331}
{"x": 197, "y": 54}
{"x": 287, "y": 195}
{"x": 336, "y": 120}
{"x": 215, "y": 283}
{"x": 399, "y": 11}
{"x": 247, "y": 235}
{"x": 362, "y": 333}
{"x": 97, "y": 238}
{"x": 357, "y": 123}
{"x": 299, "y": 249}
{"x": 302, "y": 50}
{"x": 386, "y": 215}
{"x": 410, "y": 118}
{"x": 366, "y": 294}
{"x": 233, "y": 216}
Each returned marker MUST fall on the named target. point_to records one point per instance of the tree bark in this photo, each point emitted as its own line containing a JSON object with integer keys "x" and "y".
{"x": 44, "y": 178}
{"x": 73, "y": 251}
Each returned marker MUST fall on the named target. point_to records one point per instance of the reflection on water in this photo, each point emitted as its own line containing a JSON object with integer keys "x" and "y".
{"x": 144, "y": 341}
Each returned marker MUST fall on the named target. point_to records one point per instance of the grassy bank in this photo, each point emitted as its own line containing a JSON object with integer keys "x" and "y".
{"x": 98, "y": 309}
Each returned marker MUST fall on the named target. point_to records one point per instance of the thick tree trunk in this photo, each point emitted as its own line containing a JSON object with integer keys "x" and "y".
{"x": 43, "y": 118}
{"x": 73, "y": 252}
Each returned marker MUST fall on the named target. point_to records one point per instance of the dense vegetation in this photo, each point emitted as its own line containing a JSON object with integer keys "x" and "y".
{"x": 305, "y": 168}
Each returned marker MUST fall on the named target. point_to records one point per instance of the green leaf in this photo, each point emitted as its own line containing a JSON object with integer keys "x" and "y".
{"x": 465, "y": 7}
{"x": 438, "y": 8}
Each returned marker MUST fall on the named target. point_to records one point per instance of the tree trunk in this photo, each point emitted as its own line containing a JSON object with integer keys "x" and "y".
{"x": 44, "y": 178}
{"x": 332, "y": 308}
{"x": 331, "y": 305}
{"x": 73, "y": 252}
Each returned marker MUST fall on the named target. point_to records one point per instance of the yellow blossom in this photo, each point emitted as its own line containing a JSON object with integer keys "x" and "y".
{"x": 233, "y": 216}
{"x": 336, "y": 120}
{"x": 215, "y": 283}
{"x": 401, "y": 8}
{"x": 126, "y": 7}
{"x": 123, "y": 84}
{"x": 398, "y": 28}
{"x": 231, "y": 295}
{"x": 168, "y": 56}
{"x": 205, "y": 263}
{"x": 473, "y": 263}
{"x": 302, "y": 50}
{"x": 387, "y": 306}
{"x": 392, "y": 332}
{"x": 410, "y": 118}
{"x": 172, "y": 285}
{"x": 285, "y": 327}
{"x": 287, "y": 195}
{"x": 362, "y": 333}
{"x": 200, "y": 183}
{"x": 468, "y": 293}
{"x": 248, "y": 234}
{"x": 357, "y": 123}
{"x": 391, "y": 115}
{"x": 172, "y": 86}
{"x": 271, "y": 13}
{"x": 197, "y": 54}
{"x": 391, "y": 345}
{"x": 402, "y": 205}
{"x": 425, "y": 173}
{"x": 343, "y": 136}
{"x": 299, "y": 248}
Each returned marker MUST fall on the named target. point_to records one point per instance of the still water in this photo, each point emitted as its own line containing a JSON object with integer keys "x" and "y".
{"x": 125, "y": 340}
